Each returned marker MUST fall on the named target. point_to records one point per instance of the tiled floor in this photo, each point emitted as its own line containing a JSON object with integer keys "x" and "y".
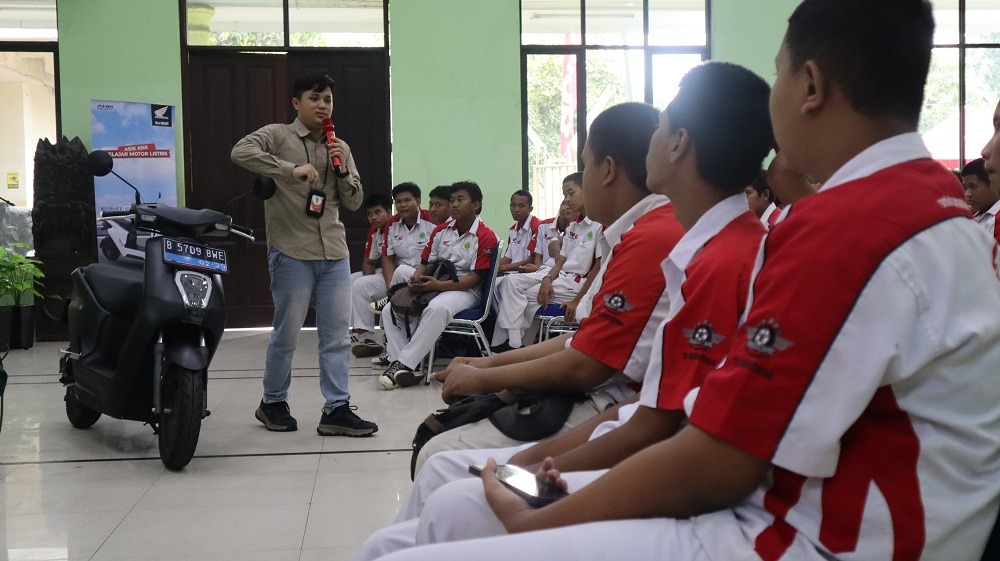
{"x": 248, "y": 494}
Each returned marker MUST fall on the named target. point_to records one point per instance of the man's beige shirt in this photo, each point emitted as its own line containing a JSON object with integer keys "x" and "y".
{"x": 274, "y": 151}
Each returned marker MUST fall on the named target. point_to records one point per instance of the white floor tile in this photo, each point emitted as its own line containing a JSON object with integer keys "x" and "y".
{"x": 56, "y": 536}
{"x": 205, "y": 532}
{"x": 248, "y": 494}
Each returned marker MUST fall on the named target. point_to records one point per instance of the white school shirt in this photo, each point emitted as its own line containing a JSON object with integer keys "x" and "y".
{"x": 407, "y": 244}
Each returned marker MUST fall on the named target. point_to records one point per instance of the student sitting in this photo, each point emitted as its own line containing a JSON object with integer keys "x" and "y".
{"x": 469, "y": 244}
{"x": 522, "y": 234}
{"x": 980, "y": 194}
{"x": 439, "y": 207}
{"x": 549, "y": 230}
{"x": 852, "y": 419}
{"x": 707, "y": 276}
{"x": 520, "y": 296}
{"x": 368, "y": 280}
{"x": 991, "y": 164}
{"x": 608, "y": 356}
{"x": 762, "y": 200}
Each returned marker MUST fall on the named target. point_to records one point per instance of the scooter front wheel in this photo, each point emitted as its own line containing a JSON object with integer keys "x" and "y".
{"x": 79, "y": 415}
{"x": 184, "y": 397}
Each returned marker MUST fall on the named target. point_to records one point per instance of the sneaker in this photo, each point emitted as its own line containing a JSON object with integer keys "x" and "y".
{"x": 388, "y": 378}
{"x": 377, "y": 306}
{"x": 366, "y": 348}
{"x": 276, "y": 416}
{"x": 342, "y": 421}
{"x": 381, "y": 362}
{"x": 501, "y": 348}
{"x": 407, "y": 377}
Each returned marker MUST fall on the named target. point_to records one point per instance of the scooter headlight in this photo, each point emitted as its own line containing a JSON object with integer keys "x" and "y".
{"x": 196, "y": 291}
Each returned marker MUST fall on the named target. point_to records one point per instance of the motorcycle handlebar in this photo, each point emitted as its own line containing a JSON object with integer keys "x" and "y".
{"x": 241, "y": 231}
{"x": 116, "y": 214}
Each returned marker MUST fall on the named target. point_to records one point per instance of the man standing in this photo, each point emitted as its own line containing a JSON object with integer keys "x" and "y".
{"x": 307, "y": 253}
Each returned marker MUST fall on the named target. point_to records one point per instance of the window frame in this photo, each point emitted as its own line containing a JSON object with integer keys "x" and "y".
{"x": 580, "y": 51}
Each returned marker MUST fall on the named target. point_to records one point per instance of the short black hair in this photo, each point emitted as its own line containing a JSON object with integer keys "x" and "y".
{"x": 406, "y": 187}
{"x": 977, "y": 168}
{"x": 622, "y": 132}
{"x": 378, "y": 199}
{"x": 523, "y": 193}
{"x": 441, "y": 192}
{"x": 470, "y": 187}
{"x": 316, "y": 82}
{"x": 877, "y": 52}
{"x": 575, "y": 177}
{"x": 760, "y": 185}
{"x": 724, "y": 108}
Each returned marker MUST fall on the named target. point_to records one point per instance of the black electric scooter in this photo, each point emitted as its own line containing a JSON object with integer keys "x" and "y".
{"x": 141, "y": 340}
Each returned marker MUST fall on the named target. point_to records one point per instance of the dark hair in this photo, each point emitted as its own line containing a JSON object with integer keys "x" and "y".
{"x": 472, "y": 188}
{"x": 977, "y": 168}
{"x": 316, "y": 82}
{"x": 622, "y": 132}
{"x": 877, "y": 52}
{"x": 378, "y": 199}
{"x": 406, "y": 187}
{"x": 440, "y": 192}
{"x": 575, "y": 177}
{"x": 724, "y": 108}
{"x": 523, "y": 193}
{"x": 760, "y": 185}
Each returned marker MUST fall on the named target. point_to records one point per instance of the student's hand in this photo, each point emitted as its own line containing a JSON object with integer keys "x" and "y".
{"x": 570, "y": 314}
{"x": 547, "y": 474}
{"x": 505, "y": 268}
{"x": 340, "y": 149}
{"x": 424, "y": 283}
{"x": 442, "y": 375}
{"x": 307, "y": 173}
{"x": 545, "y": 292}
{"x": 528, "y": 268}
{"x": 463, "y": 381}
{"x": 514, "y": 512}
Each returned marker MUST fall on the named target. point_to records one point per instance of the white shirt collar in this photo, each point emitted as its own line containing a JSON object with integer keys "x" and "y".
{"x": 526, "y": 227}
{"x": 710, "y": 224}
{"x": 994, "y": 210}
{"x": 881, "y": 155}
{"x": 453, "y": 225}
{"x": 613, "y": 233}
{"x": 771, "y": 209}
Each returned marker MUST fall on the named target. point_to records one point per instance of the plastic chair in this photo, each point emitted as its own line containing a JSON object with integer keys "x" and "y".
{"x": 469, "y": 322}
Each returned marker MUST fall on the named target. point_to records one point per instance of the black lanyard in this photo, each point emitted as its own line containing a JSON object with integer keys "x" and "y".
{"x": 326, "y": 172}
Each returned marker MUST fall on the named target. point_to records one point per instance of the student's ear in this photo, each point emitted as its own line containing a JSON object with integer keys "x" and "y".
{"x": 609, "y": 170}
{"x": 295, "y": 103}
{"x": 680, "y": 144}
{"x": 816, "y": 86}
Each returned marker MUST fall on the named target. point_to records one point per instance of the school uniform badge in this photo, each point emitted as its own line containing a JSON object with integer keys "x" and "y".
{"x": 765, "y": 338}
{"x": 617, "y": 302}
{"x": 703, "y": 336}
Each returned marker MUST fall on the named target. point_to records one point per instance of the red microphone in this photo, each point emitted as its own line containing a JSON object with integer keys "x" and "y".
{"x": 328, "y": 131}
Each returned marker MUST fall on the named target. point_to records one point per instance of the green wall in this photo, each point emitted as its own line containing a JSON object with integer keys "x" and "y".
{"x": 122, "y": 50}
{"x": 455, "y": 77}
{"x": 749, "y": 33}
{"x": 456, "y": 97}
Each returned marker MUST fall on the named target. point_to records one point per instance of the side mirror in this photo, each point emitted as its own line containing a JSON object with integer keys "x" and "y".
{"x": 99, "y": 163}
{"x": 264, "y": 187}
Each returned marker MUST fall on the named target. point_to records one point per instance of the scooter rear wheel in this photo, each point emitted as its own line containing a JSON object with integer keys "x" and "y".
{"x": 184, "y": 396}
{"x": 79, "y": 415}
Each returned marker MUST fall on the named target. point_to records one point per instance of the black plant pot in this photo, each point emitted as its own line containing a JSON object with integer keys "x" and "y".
{"x": 17, "y": 326}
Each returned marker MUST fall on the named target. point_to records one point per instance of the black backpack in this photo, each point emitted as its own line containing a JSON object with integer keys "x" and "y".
{"x": 519, "y": 414}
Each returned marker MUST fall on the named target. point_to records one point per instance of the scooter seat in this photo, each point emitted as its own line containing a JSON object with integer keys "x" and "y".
{"x": 118, "y": 289}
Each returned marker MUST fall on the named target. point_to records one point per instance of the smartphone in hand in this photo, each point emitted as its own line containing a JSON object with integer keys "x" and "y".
{"x": 535, "y": 492}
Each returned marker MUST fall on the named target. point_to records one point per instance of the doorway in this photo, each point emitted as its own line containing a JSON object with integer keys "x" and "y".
{"x": 229, "y": 94}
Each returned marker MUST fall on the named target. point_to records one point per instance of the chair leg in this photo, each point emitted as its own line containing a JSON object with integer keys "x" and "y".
{"x": 484, "y": 344}
{"x": 430, "y": 365}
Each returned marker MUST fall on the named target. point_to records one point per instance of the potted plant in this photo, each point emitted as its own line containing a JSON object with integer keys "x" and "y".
{"x": 19, "y": 277}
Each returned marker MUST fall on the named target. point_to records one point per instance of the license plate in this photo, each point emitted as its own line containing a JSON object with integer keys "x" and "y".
{"x": 189, "y": 255}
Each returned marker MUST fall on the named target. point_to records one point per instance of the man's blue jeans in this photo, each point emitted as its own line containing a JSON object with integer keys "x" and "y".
{"x": 326, "y": 285}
